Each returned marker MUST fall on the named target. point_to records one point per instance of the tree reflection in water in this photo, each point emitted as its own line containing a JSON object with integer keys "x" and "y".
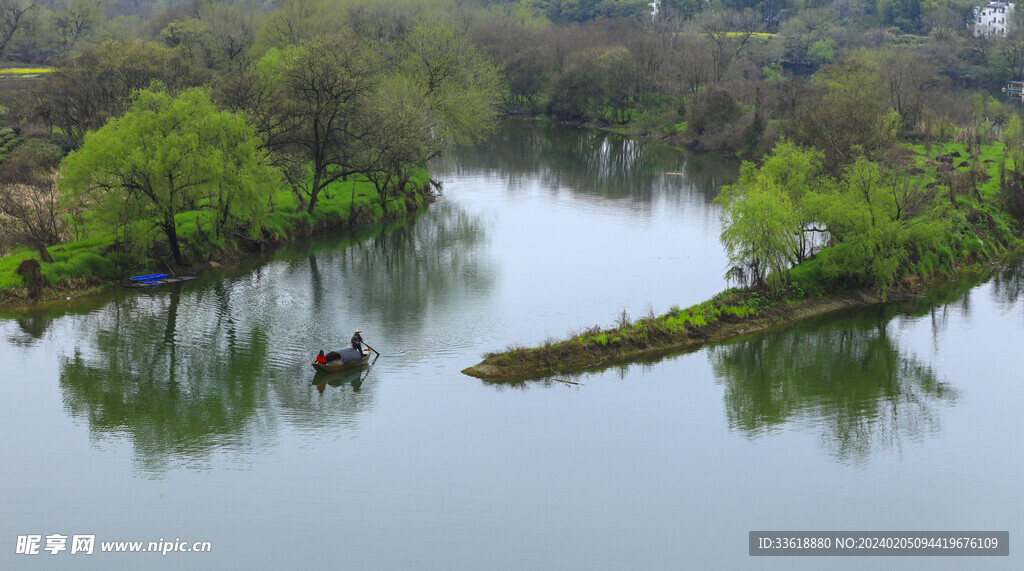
{"x": 439, "y": 263}
{"x": 593, "y": 162}
{"x": 846, "y": 378}
{"x": 1008, "y": 284}
{"x": 176, "y": 391}
{"x": 188, "y": 369}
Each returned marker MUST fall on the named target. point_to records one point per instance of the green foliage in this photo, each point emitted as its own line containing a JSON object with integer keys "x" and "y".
{"x": 758, "y": 219}
{"x": 8, "y": 264}
{"x": 822, "y": 51}
{"x": 565, "y": 11}
{"x": 80, "y": 265}
{"x": 904, "y": 14}
{"x": 873, "y": 239}
{"x": 97, "y": 258}
{"x": 772, "y": 72}
{"x": 739, "y": 311}
{"x": 764, "y": 215}
{"x": 462, "y": 87}
{"x": 881, "y": 221}
{"x": 165, "y": 156}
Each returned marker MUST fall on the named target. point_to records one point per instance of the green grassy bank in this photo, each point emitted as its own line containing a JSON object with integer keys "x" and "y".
{"x": 94, "y": 260}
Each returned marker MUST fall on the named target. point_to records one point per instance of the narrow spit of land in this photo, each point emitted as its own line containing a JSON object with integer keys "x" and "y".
{"x": 722, "y": 318}
{"x": 726, "y": 316}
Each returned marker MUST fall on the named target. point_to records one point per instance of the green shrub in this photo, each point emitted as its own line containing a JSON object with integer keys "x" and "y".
{"x": 82, "y": 265}
{"x": 739, "y": 311}
{"x": 972, "y": 245}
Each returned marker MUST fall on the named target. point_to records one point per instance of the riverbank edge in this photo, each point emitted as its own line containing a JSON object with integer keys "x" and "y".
{"x": 19, "y": 299}
{"x": 675, "y": 139}
{"x": 521, "y": 364}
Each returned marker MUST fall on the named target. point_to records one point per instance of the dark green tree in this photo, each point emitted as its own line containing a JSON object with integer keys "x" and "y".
{"x": 323, "y": 84}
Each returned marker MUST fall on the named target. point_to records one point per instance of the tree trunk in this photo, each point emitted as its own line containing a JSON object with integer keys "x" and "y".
{"x": 225, "y": 210}
{"x": 172, "y": 239}
{"x": 403, "y": 184}
{"x": 314, "y": 192}
{"x": 44, "y": 254}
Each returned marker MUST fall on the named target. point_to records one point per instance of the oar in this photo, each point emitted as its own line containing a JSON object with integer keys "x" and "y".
{"x": 371, "y": 349}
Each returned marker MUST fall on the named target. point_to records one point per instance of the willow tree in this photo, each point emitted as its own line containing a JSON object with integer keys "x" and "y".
{"x": 168, "y": 155}
{"x": 758, "y": 230}
{"x": 767, "y": 224}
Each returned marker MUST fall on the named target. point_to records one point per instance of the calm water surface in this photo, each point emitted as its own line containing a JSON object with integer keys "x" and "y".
{"x": 190, "y": 411}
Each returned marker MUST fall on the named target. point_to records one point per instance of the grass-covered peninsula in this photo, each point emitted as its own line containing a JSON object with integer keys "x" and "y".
{"x": 804, "y": 242}
{"x": 729, "y": 314}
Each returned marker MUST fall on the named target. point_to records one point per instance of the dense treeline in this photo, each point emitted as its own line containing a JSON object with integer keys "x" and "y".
{"x": 221, "y": 125}
{"x": 347, "y": 98}
{"x": 728, "y": 75}
{"x": 720, "y": 80}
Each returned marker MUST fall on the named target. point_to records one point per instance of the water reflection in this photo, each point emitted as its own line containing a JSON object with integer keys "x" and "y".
{"x": 439, "y": 262}
{"x": 32, "y": 328}
{"x": 593, "y": 162}
{"x": 176, "y": 385}
{"x": 1008, "y": 284}
{"x": 846, "y": 379}
{"x": 222, "y": 362}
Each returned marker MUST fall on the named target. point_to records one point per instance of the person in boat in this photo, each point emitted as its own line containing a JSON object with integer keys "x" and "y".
{"x": 321, "y": 358}
{"x": 357, "y": 341}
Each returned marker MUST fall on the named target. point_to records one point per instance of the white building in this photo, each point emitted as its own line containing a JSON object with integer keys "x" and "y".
{"x": 992, "y": 20}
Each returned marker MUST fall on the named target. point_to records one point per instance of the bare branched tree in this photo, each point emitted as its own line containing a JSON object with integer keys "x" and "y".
{"x": 13, "y": 17}
{"x": 29, "y": 205}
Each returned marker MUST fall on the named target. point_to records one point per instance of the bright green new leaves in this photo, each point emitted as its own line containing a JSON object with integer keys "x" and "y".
{"x": 876, "y": 221}
{"x": 765, "y": 224}
{"x": 168, "y": 155}
{"x": 758, "y": 235}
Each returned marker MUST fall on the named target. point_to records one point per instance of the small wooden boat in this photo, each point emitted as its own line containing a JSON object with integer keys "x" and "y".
{"x": 154, "y": 280}
{"x": 335, "y": 362}
{"x": 148, "y": 277}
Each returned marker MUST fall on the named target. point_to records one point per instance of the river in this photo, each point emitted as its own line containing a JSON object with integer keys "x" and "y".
{"x": 190, "y": 413}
